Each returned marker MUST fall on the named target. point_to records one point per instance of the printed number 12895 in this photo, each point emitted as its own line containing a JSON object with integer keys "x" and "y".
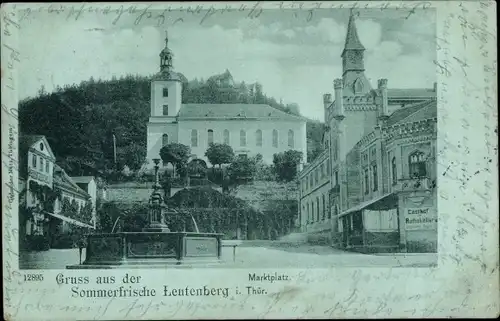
{"x": 33, "y": 277}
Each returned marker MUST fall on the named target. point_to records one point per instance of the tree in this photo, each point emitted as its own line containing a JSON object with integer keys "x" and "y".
{"x": 219, "y": 154}
{"x": 133, "y": 156}
{"x": 66, "y": 208}
{"x": 176, "y": 154}
{"x": 166, "y": 185}
{"x": 241, "y": 170}
{"x": 86, "y": 213}
{"x": 196, "y": 169}
{"x": 285, "y": 164}
{"x": 259, "y": 95}
{"x": 126, "y": 171}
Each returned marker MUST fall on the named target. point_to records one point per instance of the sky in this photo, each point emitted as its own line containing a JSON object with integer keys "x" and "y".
{"x": 294, "y": 59}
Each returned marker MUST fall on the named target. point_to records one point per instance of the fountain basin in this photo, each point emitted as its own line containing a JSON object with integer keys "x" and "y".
{"x": 150, "y": 249}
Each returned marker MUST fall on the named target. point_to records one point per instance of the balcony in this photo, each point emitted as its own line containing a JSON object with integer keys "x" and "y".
{"x": 414, "y": 184}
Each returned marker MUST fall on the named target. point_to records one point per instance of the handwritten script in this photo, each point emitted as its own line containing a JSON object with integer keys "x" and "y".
{"x": 164, "y": 15}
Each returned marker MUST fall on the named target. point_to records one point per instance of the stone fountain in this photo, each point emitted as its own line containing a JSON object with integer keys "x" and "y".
{"x": 155, "y": 246}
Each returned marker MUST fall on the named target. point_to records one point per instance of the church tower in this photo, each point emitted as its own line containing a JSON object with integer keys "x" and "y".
{"x": 166, "y": 100}
{"x": 166, "y": 87}
{"x": 353, "y": 65}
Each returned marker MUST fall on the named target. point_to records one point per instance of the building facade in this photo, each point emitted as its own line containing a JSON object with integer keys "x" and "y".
{"x": 382, "y": 150}
{"x": 72, "y": 193}
{"x": 249, "y": 129}
{"x": 314, "y": 203}
{"x": 89, "y": 185}
{"x": 36, "y": 167}
{"x": 43, "y": 185}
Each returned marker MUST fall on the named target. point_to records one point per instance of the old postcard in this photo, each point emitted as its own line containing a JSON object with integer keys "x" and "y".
{"x": 249, "y": 160}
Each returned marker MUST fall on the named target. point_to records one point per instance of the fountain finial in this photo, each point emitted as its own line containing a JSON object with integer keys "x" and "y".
{"x": 156, "y": 185}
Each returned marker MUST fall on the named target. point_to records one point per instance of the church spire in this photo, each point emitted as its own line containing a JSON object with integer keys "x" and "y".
{"x": 166, "y": 58}
{"x": 352, "y": 41}
{"x": 353, "y": 64}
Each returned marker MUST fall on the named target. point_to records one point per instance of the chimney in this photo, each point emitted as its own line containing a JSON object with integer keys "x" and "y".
{"x": 339, "y": 102}
{"x": 327, "y": 101}
{"x": 383, "y": 107}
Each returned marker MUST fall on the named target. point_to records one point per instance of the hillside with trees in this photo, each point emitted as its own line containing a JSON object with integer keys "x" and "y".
{"x": 79, "y": 121}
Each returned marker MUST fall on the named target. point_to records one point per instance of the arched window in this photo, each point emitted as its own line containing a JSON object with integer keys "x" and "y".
{"x": 317, "y": 209}
{"x": 258, "y": 137}
{"x": 194, "y": 138}
{"x": 243, "y": 138}
{"x": 418, "y": 167}
{"x": 226, "y": 136}
{"x": 358, "y": 86}
{"x": 291, "y": 140}
{"x": 394, "y": 171}
{"x": 210, "y": 136}
{"x": 324, "y": 207}
{"x": 375, "y": 177}
{"x": 367, "y": 182}
{"x": 335, "y": 148}
{"x": 164, "y": 140}
{"x": 275, "y": 138}
{"x": 41, "y": 146}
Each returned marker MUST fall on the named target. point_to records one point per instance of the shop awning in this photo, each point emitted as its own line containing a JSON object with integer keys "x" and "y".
{"x": 70, "y": 220}
{"x": 368, "y": 203}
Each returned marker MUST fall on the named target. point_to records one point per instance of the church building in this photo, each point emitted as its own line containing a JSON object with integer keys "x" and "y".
{"x": 373, "y": 189}
{"x": 250, "y": 129}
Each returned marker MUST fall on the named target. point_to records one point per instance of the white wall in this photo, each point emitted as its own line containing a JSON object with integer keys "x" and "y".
{"x": 39, "y": 172}
{"x": 250, "y": 127}
{"x": 155, "y": 138}
{"x": 173, "y": 100}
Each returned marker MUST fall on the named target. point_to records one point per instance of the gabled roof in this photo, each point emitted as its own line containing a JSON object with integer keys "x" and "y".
{"x": 225, "y": 75}
{"x": 82, "y": 179}
{"x": 413, "y": 113}
{"x": 62, "y": 180}
{"x": 352, "y": 41}
{"x": 411, "y": 93}
{"x": 235, "y": 111}
{"x": 25, "y": 143}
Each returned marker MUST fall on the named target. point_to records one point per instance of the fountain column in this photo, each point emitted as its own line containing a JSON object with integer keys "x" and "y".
{"x": 156, "y": 216}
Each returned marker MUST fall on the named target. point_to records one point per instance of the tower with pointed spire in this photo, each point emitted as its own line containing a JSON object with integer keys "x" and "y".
{"x": 166, "y": 87}
{"x": 353, "y": 65}
{"x": 166, "y": 101}
{"x": 166, "y": 56}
